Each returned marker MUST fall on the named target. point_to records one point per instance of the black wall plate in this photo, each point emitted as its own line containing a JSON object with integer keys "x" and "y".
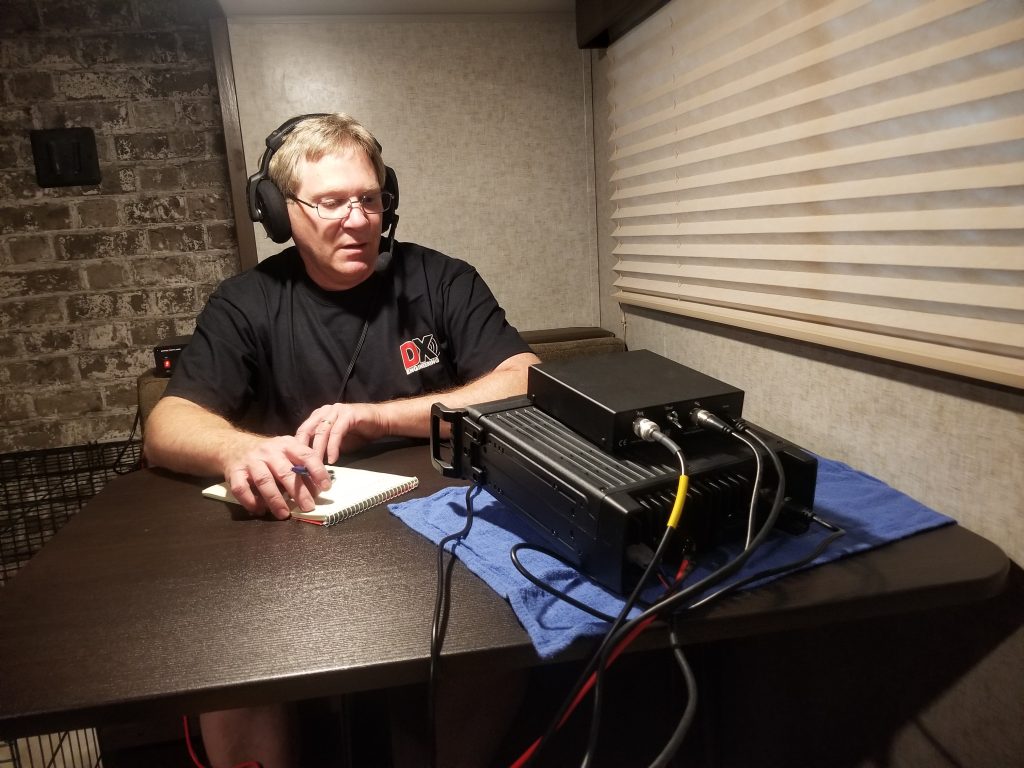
{"x": 65, "y": 157}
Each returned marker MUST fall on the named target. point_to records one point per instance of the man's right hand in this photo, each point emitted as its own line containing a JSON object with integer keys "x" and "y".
{"x": 262, "y": 477}
{"x": 185, "y": 437}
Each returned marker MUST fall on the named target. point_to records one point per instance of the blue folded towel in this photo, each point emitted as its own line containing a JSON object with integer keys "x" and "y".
{"x": 871, "y": 512}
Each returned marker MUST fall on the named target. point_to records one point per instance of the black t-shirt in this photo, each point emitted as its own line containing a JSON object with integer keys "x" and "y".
{"x": 271, "y": 346}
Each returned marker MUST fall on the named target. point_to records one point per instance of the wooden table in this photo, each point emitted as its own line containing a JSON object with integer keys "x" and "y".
{"x": 155, "y": 601}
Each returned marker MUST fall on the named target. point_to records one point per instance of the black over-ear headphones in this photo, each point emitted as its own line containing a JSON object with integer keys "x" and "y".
{"x": 267, "y": 204}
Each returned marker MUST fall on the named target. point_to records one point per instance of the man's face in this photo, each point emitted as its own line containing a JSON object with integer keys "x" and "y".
{"x": 338, "y": 254}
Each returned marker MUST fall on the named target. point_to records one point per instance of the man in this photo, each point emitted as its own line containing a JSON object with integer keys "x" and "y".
{"x": 321, "y": 348}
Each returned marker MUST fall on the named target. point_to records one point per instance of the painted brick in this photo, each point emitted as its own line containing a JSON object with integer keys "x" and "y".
{"x": 159, "y": 13}
{"x": 101, "y": 245}
{"x": 189, "y": 143}
{"x": 206, "y": 173}
{"x": 127, "y": 179}
{"x": 216, "y": 269}
{"x": 143, "y": 146}
{"x": 12, "y": 284}
{"x": 158, "y": 113}
{"x": 9, "y": 154}
{"x": 152, "y": 332}
{"x": 100, "y": 116}
{"x": 30, "y": 86}
{"x": 176, "y": 301}
{"x": 195, "y": 47}
{"x": 165, "y": 271}
{"x": 178, "y": 84}
{"x": 51, "y": 53}
{"x": 94, "y": 86}
{"x": 96, "y": 214}
{"x": 20, "y": 16}
{"x": 68, "y": 402}
{"x": 25, "y": 313}
{"x": 15, "y": 118}
{"x": 16, "y": 407}
{"x": 102, "y": 306}
{"x": 112, "y": 365}
{"x": 53, "y": 370}
{"x": 97, "y": 427}
{"x": 163, "y": 178}
{"x": 8, "y": 52}
{"x": 10, "y": 346}
{"x": 221, "y": 236}
{"x": 104, "y": 336}
{"x": 110, "y": 184}
{"x": 123, "y": 394}
{"x": 196, "y": 112}
{"x": 186, "y": 327}
{"x": 215, "y": 145}
{"x": 52, "y": 280}
{"x": 21, "y": 183}
{"x": 105, "y": 151}
{"x": 131, "y": 48}
{"x": 86, "y": 14}
{"x": 33, "y": 218}
{"x": 188, "y": 237}
{"x": 155, "y": 210}
{"x": 140, "y": 69}
{"x": 107, "y": 275}
{"x": 68, "y": 193}
{"x": 30, "y": 250}
{"x": 30, "y": 436}
{"x": 209, "y": 207}
{"x": 49, "y": 341}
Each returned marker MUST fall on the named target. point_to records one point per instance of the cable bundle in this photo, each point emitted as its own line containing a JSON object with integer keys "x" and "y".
{"x": 622, "y": 631}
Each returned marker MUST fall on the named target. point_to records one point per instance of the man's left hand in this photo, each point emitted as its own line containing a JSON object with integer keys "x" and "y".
{"x": 330, "y": 429}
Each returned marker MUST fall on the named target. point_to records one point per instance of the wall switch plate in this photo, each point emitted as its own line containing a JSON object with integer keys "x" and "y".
{"x": 65, "y": 157}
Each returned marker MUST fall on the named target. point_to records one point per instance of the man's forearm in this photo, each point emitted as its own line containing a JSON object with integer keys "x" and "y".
{"x": 185, "y": 437}
{"x": 411, "y": 417}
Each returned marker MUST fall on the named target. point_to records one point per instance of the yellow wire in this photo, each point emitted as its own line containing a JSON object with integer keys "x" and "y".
{"x": 677, "y": 508}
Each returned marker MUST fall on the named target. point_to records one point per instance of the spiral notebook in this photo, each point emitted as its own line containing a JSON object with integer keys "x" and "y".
{"x": 353, "y": 491}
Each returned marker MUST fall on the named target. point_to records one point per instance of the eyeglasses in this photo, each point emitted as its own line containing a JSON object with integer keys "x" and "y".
{"x": 331, "y": 209}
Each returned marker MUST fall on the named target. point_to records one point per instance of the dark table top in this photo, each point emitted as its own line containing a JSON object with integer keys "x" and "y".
{"x": 156, "y": 601}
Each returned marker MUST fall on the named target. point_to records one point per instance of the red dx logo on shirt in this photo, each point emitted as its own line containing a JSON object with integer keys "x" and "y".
{"x": 418, "y": 354}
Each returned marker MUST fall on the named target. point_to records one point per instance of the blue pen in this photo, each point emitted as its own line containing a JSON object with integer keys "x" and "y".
{"x": 298, "y": 469}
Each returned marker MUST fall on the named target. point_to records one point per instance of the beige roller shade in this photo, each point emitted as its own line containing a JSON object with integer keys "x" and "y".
{"x": 848, "y": 173}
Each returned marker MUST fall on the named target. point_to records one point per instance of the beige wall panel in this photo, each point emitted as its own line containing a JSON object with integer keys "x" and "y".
{"x": 484, "y": 120}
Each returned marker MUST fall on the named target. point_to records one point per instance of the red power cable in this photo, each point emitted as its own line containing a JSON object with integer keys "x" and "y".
{"x": 623, "y": 644}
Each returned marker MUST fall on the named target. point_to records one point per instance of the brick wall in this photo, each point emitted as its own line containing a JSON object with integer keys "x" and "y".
{"x": 93, "y": 277}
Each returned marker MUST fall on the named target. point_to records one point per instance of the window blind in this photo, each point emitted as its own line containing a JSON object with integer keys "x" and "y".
{"x": 848, "y": 173}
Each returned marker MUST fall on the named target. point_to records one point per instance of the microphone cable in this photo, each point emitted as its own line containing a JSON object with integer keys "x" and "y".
{"x": 440, "y": 621}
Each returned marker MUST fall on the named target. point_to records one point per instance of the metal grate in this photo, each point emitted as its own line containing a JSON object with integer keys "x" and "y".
{"x": 68, "y": 749}
{"x": 41, "y": 490}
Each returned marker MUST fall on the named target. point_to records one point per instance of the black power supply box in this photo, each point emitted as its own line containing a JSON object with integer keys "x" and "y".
{"x": 600, "y": 396}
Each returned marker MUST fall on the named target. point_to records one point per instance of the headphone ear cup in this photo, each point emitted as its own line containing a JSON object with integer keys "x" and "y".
{"x": 273, "y": 210}
{"x": 390, "y": 185}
